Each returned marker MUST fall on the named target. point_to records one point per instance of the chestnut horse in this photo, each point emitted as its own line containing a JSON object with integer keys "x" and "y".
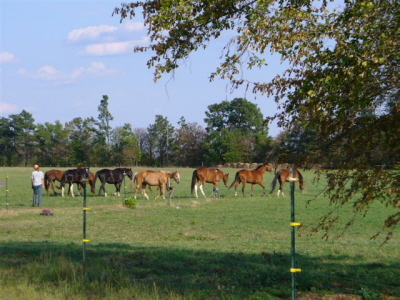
{"x": 283, "y": 176}
{"x": 254, "y": 177}
{"x": 211, "y": 175}
{"x": 49, "y": 180}
{"x": 154, "y": 178}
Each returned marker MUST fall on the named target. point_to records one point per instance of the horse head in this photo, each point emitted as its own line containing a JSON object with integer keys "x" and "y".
{"x": 225, "y": 178}
{"x": 129, "y": 173}
{"x": 268, "y": 167}
{"x": 84, "y": 173}
{"x": 176, "y": 176}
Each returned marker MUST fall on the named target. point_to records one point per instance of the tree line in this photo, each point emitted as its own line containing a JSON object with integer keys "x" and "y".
{"x": 235, "y": 132}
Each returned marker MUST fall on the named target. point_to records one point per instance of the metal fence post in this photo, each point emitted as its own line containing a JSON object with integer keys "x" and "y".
{"x": 85, "y": 208}
{"x": 293, "y": 224}
{"x": 7, "y": 203}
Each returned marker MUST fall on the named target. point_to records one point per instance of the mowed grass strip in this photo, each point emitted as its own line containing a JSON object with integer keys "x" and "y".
{"x": 227, "y": 247}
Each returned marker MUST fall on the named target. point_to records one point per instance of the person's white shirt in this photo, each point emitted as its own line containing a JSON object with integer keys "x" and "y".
{"x": 37, "y": 177}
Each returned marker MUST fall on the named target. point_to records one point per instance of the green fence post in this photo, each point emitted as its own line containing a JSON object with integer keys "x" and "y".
{"x": 7, "y": 203}
{"x": 293, "y": 224}
{"x": 85, "y": 208}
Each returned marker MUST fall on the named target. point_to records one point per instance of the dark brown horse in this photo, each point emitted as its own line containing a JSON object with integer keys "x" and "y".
{"x": 154, "y": 178}
{"x": 49, "y": 180}
{"x": 283, "y": 176}
{"x": 78, "y": 176}
{"x": 254, "y": 177}
{"x": 211, "y": 175}
{"x": 115, "y": 177}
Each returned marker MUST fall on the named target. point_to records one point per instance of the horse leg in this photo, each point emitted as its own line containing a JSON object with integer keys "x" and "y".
{"x": 62, "y": 190}
{"x": 236, "y": 186}
{"x": 119, "y": 188}
{"x": 71, "y": 189}
{"x": 103, "y": 187}
{"x": 252, "y": 190}
{"x": 53, "y": 187}
{"x": 202, "y": 191}
{"x": 79, "y": 189}
{"x": 281, "y": 189}
{"x": 262, "y": 185}
{"x": 243, "y": 186}
{"x": 161, "y": 187}
{"x": 135, "y": 191}
{"x": 144, "y": 192}
{"x": 195, "y": 191}
{"x": 214, "y": 191}
{"x": 116, "y": 189}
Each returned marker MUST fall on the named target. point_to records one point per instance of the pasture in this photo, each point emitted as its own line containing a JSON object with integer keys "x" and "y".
{"x": 225, "y": 248}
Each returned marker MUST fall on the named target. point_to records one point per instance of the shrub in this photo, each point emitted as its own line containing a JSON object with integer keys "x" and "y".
{"x": 130, "y": 202}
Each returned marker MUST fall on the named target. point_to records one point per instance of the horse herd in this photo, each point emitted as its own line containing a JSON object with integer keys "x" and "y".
{"x": 162, "y": 180}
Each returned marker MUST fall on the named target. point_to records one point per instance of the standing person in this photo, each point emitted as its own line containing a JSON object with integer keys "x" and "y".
{"x": 37, "y": 180}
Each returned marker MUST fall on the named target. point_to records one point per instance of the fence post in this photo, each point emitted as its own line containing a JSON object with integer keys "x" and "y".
{"x": 293, "y": 224}
{"x": 85, "y": 208}
{"x": 7, "y": 203}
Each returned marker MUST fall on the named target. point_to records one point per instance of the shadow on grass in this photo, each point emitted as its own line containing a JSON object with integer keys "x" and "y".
{"x": 199, "y": 274}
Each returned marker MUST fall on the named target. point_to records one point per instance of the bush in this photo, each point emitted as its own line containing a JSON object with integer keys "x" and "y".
{"x": 130, "y": 202}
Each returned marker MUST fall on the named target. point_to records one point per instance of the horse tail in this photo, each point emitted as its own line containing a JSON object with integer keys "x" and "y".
{"x": 46, "y": 183}
{"x": 273, "y": 183}
{"x": 94, "y": 181}
{"x": 133, "y": 180}
{"x": 300, "y": 176}
{"x": 236, "y": 180}
{"x": 193, "y": 181}
{"x": 301, "y": 180}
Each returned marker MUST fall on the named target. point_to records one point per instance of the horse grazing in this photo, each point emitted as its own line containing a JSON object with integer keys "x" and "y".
{"x": 72, "y": 176}
{"x": 155, "y": 178}
{"x": 49, "y": 180}
{"x": 283, "y": 176}
{"x": 211, "y": 175}
{"x": 254, "y": 177}
{"x": 115, "y": 177}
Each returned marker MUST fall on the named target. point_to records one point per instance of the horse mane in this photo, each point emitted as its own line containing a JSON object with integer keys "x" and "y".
{"x": 260, "y": 166}
{"x": 167, "y": 172}
{"x": 300, "y": 176}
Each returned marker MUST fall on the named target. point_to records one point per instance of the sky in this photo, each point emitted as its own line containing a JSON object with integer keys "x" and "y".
{"x": 58, "y": 59}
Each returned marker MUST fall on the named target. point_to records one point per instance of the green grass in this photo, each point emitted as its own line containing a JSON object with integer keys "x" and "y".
{"x": 225, "y": 248}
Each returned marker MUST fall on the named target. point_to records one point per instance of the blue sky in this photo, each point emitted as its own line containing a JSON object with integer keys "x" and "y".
{"x": 57, "y": 60}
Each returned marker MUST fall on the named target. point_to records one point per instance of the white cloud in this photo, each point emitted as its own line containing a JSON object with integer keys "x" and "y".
{"x": 8, "y": 108}
{"x": 49, "y": 73}
{"x": 7, "y": 57}
{"x": 89, "y": 33}
{"x": 108, "y": 48}
{"x": 113, "y": 48}
{"x": 132, "y": 26}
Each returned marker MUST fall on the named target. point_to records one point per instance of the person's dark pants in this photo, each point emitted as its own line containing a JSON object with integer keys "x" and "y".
{"x": 37, "y": 195}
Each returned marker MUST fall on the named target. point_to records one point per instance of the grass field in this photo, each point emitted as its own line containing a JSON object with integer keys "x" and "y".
{"x": 225, "y": 248}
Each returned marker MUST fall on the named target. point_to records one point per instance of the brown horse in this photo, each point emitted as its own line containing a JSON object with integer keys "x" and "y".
{"x": 254, "y": 177}
{"x": 283, "y": 176}
{"x": 51, "y": 176}
{"x": 49, "y": 180}
{"x": 211, "y": 175}
{"x": 154, "y": 178}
